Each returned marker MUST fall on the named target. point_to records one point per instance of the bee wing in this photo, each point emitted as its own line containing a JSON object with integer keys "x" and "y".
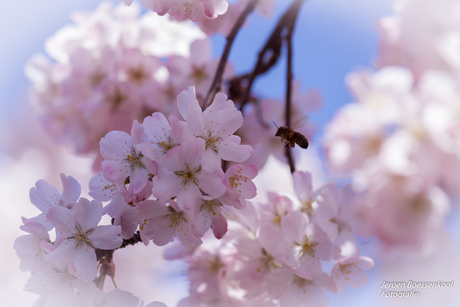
{"x": 300, "y": 122}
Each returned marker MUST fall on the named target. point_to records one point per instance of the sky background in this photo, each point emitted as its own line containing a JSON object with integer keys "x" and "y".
{"x": 332, "y": 38}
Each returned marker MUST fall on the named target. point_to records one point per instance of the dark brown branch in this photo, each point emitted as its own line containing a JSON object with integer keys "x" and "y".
{"x": 215, "y": 86}
{"x": 289, "y": 91}
{"x": 269, "y": 54}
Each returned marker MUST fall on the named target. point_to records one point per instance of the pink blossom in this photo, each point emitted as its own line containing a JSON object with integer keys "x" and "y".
{"x": 80, "y": 236}
{"x": 198, "y": 69}
{"x": 185, "y": 177}
{"x": 163, "y": 223}
{"x": 118, "y": 298}
{"x": 277, "y": 207}
{"x": 210, "y": 213}
{"x": 215, "y": 126}
{"x": 418, "y": 38}
{"x": 309, "y": 244}
{"x": 44, "y": 196}
{"x": 57, "y": 286}
{"x": 350, "y": 271}
{"x": 239, "y": 185}
{"x": 191, "y": 9}
{"x": 406, "y": 211}
{"x": 207, "y": 275}
{"x": 28, "y": 247}
{"x": 335, "y": 216}
{"x": 123, "y": 160}
{"x": 300, "y": 290}
{"x": 122, "y": 203}
{"x": 163, "y": 135}
{"x": 303, "y": 187}
{"x": 261, "y": 257}
{"x": 104, "y": 72}
{"x": 225, "y": 22}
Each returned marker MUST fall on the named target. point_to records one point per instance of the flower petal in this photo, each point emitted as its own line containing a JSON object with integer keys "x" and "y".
{"x": 106, "y": 237}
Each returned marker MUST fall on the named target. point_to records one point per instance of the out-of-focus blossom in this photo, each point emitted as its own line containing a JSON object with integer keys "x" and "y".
{"x": 104, "y": 72}
{"x": 396, "y": 141}
{"x": 272, "y": 255}
{"x": 182, "y": 10}
{"x": 423, "y": 35}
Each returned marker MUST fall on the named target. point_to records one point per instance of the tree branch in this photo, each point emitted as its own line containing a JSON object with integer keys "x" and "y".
{"x": 215, "y": 86}
{"x": 270, "y": 53}
{"x": 288, "y": 92}
{"x": 289, "y": 76}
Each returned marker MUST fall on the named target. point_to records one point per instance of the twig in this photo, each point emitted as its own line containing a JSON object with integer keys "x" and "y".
{"x": 288, "y": 92}
{"x": 288, "y": 39}
{"x": 273, "y": 44}
{"x": 131, "y": 241}
{"x": 215, "y": 87}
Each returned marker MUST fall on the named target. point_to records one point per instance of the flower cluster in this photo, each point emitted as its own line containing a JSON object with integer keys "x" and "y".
{"x": 179, "y": 163}
{"x": 401, "y": 139}
{"x": 210, "y": 15}
{"x": 113, "y": 66}
{"x": 171, "y": 170}
{"x": 275, "y": 254}
{"x": 63, "y": 270}
{"x": 185, "y": 9}
{"x": 165, "y": 180}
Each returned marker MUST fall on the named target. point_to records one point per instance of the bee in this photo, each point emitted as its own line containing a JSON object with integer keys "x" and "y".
{"x": 292, "y": 137}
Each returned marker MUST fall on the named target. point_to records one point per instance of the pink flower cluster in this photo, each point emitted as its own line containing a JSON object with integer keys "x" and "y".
{"x": 67, "y": 266}
{"x": 400, "y": 140}
{"x": 211, "y": 15}
{"x": 276, "y": 254}
{"x": 179, "y": 163}
{"x": 108, "y": 72}
{"x": 113, "y": 66}
{"x": 176, "y": 162}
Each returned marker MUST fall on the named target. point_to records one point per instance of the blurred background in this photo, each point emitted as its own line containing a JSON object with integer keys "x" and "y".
{"x": 332, "y": 38}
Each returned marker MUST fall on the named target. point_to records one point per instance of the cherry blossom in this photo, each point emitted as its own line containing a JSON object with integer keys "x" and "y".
{"x": 215, "y": 126}
{"x": 44, "y": 196}
{"x": 58, "y": 286}
{"x": 80, "y": 236}
{"x": 276, "y": 207}
{"x": 176, "y": 173}
{"x": 198, "y": 69}
{"x": 300, "y": 290}
{"x": 121, "y": 207}
{"x": 185, "y": 177}
{"x": 182, "y": 10}
{"x": 103, "y": 72}
{"x": 262, "y": 256}
{"x": 123, "y": 160}
{"x": 417, "y": 37}
{"x": 163, "y": 135}
{"x": 350, "y": 272}
{"x": 28, "y": 247}
{"x": 309, "y": 244}
{"x": 165, "y": 222}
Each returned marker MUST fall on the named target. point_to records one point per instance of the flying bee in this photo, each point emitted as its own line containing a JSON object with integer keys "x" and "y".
{"x": 292, "y": 137}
